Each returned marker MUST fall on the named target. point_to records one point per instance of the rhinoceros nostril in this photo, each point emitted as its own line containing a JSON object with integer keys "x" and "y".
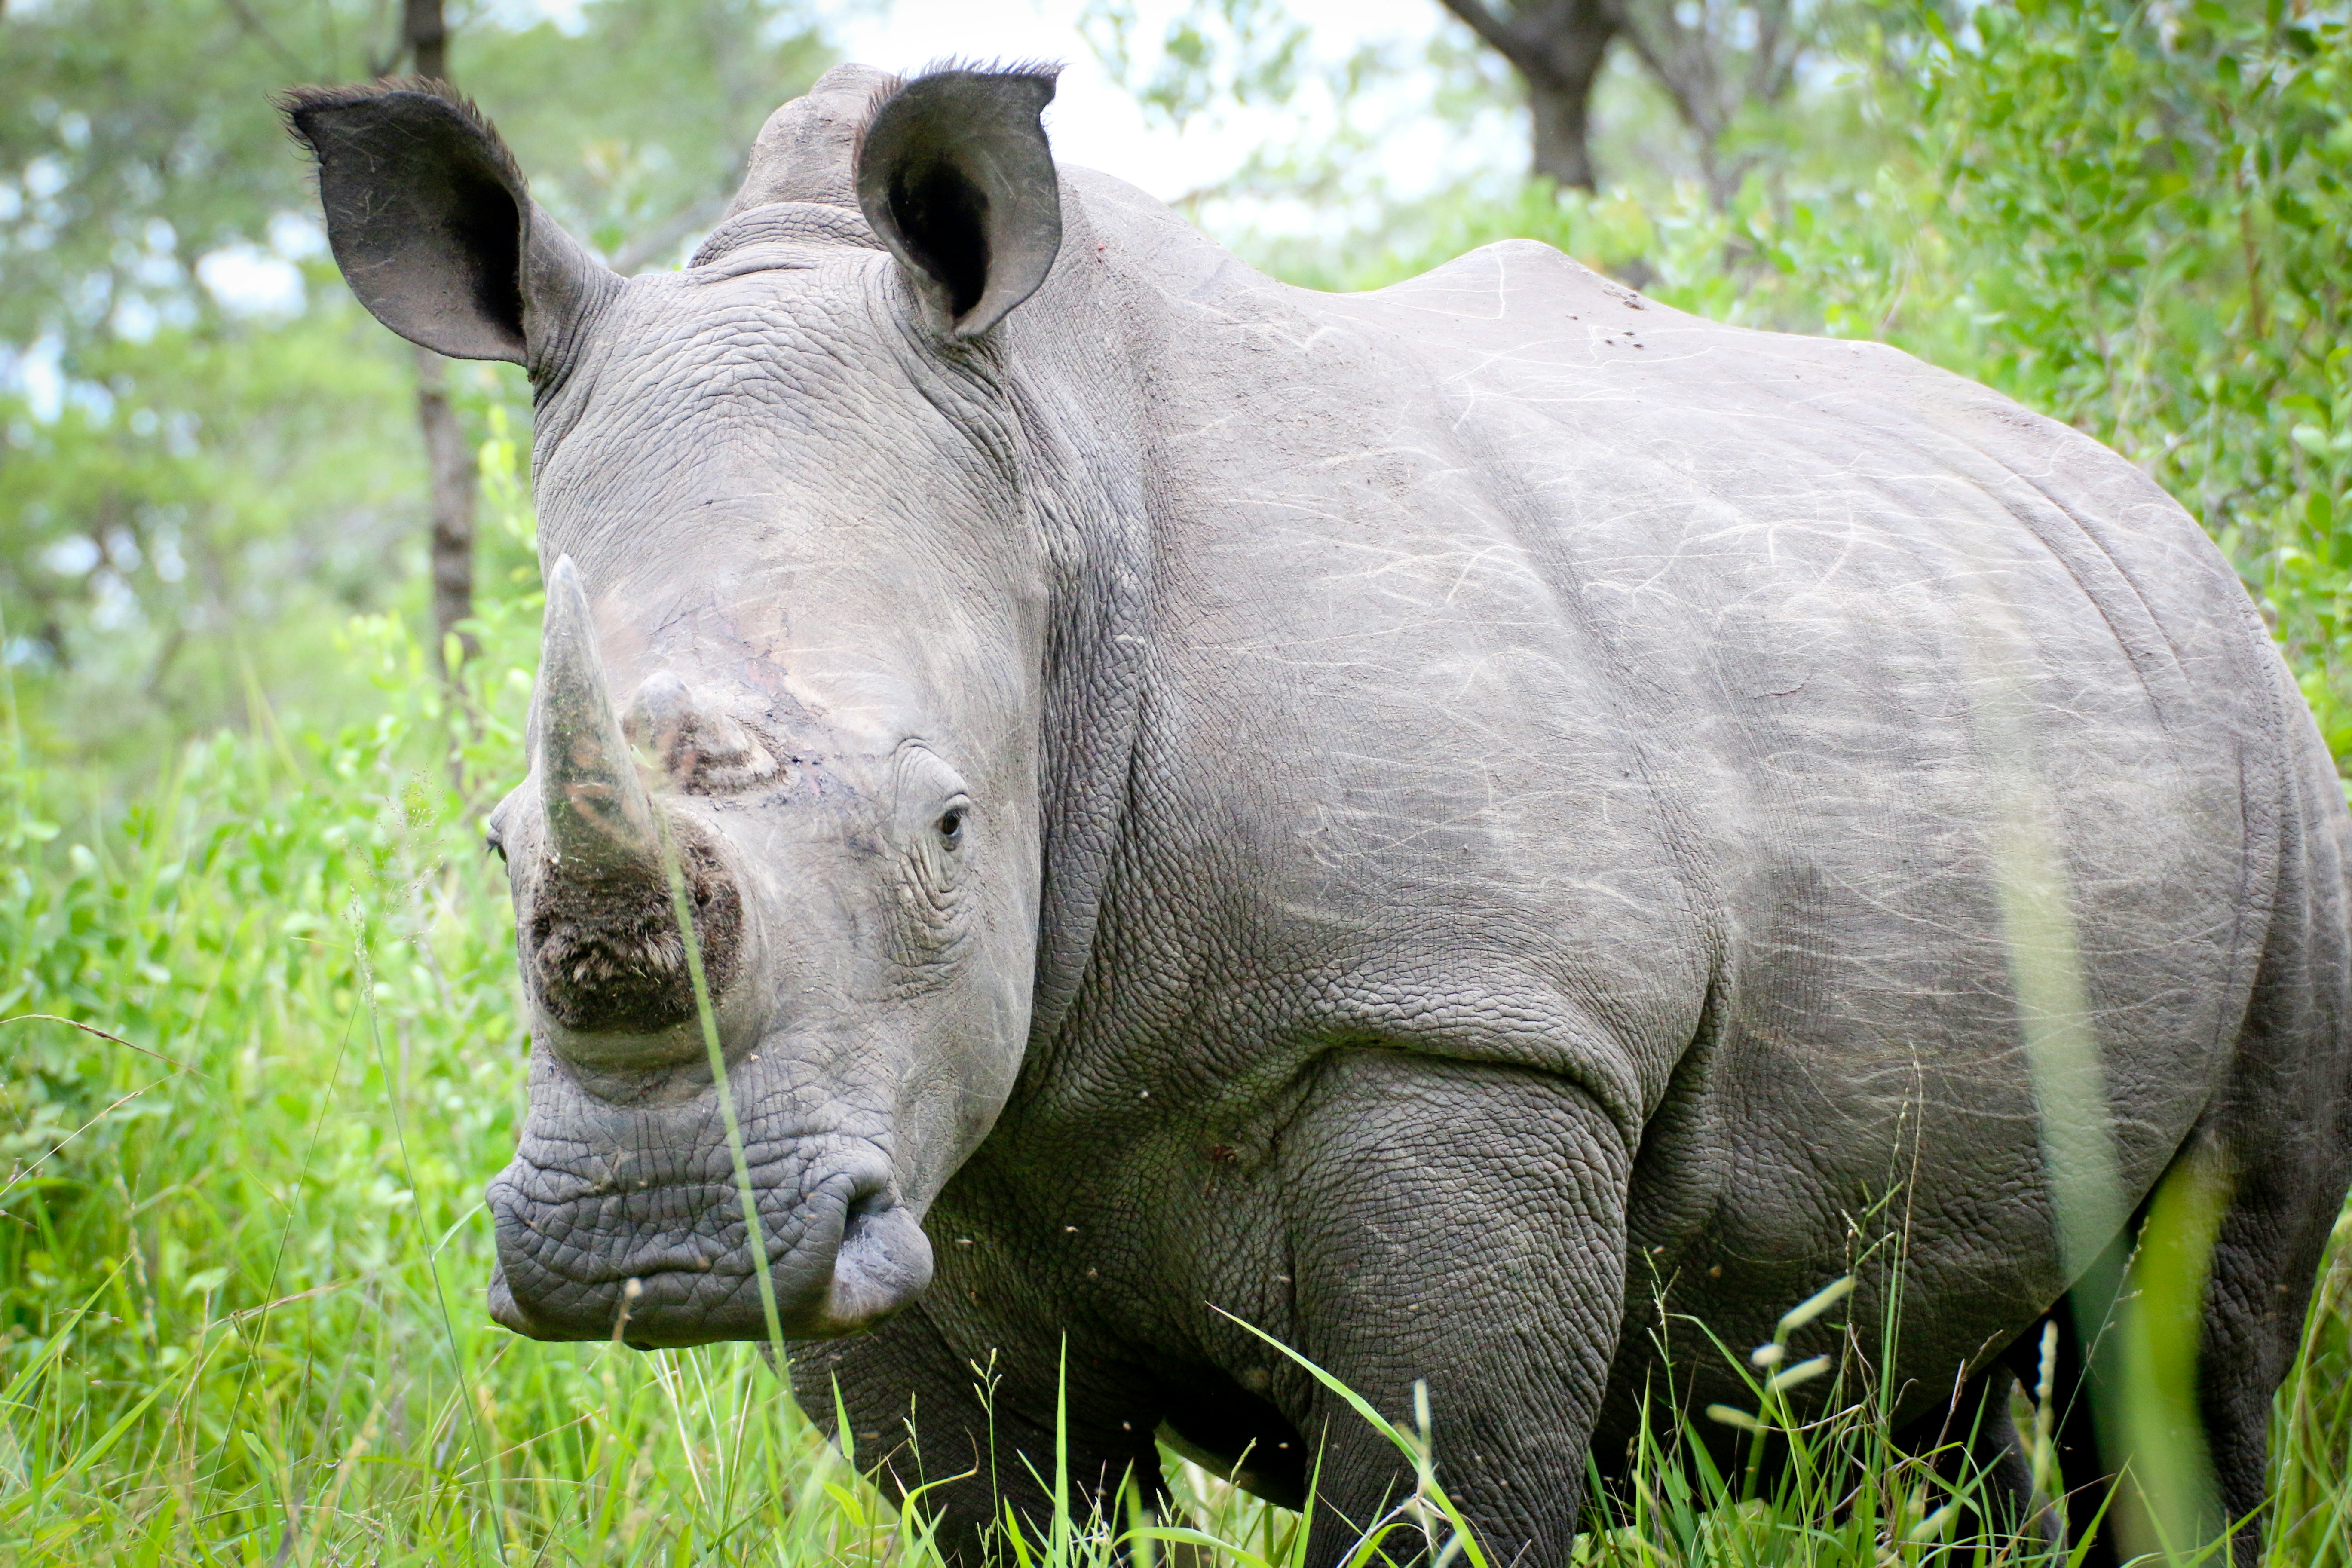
{"x": 866, "y": 1205}
{"x": 882, "y": 1261}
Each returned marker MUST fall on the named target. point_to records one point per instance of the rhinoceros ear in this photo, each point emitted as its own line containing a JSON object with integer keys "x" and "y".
{"x": 955, "y": 175}
{"x": 430, "y": 222}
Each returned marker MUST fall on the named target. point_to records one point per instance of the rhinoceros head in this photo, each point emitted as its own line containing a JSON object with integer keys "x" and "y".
{"x": 796, "y": 625}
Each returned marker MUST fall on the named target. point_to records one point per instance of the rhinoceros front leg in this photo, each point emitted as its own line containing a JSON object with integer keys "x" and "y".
{"x": 966, "y": 1432}
{"x": 1460, "y": 1224}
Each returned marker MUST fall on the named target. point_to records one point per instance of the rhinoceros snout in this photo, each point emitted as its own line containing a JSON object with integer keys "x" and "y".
{"x": 657, "y": 1266}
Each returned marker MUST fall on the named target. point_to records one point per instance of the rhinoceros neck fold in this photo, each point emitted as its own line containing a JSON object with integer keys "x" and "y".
{"x": 1083, "y": 462}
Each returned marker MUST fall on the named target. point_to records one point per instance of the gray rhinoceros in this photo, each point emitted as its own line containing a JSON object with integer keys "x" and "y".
{"x": 1456, "y": 825}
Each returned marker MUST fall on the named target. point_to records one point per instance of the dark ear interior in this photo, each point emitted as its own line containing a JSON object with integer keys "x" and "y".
{"x": 955, "y": 175}
{"x": 428, "y": 218}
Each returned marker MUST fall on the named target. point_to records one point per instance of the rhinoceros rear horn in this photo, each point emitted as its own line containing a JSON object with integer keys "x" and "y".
{"x": 599, "y": 815}
{"x": 955, "y": 175}
{"x": 430, "y": 222}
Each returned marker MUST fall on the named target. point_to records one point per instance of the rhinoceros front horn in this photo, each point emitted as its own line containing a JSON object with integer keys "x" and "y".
{"x": 601, "y": 939}
{"x": 598, "y": 813}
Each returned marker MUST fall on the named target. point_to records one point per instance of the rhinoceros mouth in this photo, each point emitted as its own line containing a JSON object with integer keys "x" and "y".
{"x": 664, "y": 1266}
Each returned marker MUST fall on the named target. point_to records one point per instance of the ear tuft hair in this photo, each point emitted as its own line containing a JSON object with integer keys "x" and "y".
{"x": 299, "y": 106}
{"x": 1046, "y": 73}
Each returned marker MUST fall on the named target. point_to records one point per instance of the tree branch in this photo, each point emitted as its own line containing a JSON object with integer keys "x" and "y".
{"x": 1499, "y": 34}
{"x": 1667, "y": 60}
{"x": 253, "y": 24}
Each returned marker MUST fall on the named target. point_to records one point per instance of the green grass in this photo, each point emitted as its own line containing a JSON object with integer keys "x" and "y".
{"x": 242, "y": 1243}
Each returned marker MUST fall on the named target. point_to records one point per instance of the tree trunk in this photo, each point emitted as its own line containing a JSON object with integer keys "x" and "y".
{"x": 1563, "y": 130}
{"x": 1696, "y": 55}
{"x": 425, "y": 39}
{"x": 1557, "y": 47}
{"x": 451, "y": 465}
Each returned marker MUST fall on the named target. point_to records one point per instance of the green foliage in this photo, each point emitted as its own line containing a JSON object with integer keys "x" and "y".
{"x": 211, "y": 483}
{"x": 634, "y": 126}
{"x": 176, "y": 475}
{"x": 238, "y": 495}
{"x": 136, "y": 137}
{"x": 322, "y": 1051}
{"x": 1249, "y": 52}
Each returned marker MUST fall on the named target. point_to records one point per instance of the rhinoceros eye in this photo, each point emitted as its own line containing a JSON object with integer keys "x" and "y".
{"x": 935, "y": 832}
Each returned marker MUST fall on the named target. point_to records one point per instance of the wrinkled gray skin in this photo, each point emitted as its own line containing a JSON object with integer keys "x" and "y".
{"x": 1421, "y": 820}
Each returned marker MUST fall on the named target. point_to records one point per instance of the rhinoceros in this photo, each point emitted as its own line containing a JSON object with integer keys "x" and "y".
{"x": 1468, "y": 829}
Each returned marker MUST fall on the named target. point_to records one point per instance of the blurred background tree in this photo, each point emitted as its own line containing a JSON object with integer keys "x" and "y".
{"x": 1557, "y": 47}
{"x": 1714, "y": 59}
{"x": 207, "y": 463}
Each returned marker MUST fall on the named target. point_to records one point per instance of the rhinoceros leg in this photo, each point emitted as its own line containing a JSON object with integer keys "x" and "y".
{"x": 2082, "y": 1474}
{"x": 2256, "y": 1296}
{"x": 2284, "y": 1202}
{"x": 2270, "y": 1241}
{"x": 918, "y": 1419}
{"x": 2278, "y": 1143}
{"x": 2279, "y": 1138}
{"x": 1463, "y": 1225}
{"x": 1972, "y": 1443}
{"x": 2267, "y": 1166}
